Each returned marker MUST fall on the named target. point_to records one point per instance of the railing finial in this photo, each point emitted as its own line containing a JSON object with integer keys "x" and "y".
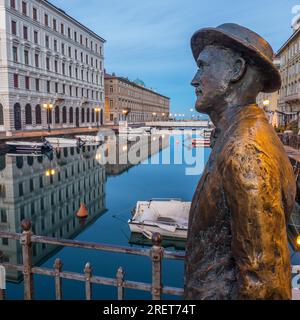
{"x": 26, "y": 225}
{"x": 156, "y": 239}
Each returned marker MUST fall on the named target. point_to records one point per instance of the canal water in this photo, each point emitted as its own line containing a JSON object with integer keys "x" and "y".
{"x": 49, "y": 192}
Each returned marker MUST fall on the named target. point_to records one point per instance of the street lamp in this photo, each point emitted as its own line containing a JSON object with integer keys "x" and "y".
{"x": 48, "y": 107}
{"x": 98, "y": 110}
{"x": 192, "y": 110}
{"x": 154, "y": 115}
{"x": 126, "y": 112}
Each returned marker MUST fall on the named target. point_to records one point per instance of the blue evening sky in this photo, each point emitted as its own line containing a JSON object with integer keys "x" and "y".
{"x": 150, "y": 40}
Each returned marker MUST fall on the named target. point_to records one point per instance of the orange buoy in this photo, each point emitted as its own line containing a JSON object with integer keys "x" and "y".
{"x": 82, "y": 212}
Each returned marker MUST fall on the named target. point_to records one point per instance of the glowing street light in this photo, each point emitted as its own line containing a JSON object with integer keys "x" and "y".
{"x": 48, "y": 107}
{"x": 98, "y": 110}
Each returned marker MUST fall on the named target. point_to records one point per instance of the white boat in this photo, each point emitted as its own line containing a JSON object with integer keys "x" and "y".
{"x": 90, "y": 139}
{"x": 63, "y": 142}
{"x": 201, "y": 142}
{"x": 29, "y": 147}
{"x": 168, "y": 217}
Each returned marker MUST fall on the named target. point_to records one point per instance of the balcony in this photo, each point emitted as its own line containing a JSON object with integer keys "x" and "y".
{"x": 291, "y": 98}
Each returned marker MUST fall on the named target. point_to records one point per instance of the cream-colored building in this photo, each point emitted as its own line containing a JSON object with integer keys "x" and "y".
{"x": 289, "y": 96}
{"x": 269, "y": 103}
{"x": 132, "y": 101}
{"x": 48, "y": 57}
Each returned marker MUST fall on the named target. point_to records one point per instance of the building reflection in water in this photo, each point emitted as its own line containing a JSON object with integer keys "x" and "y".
{"x": 48, "y": 191}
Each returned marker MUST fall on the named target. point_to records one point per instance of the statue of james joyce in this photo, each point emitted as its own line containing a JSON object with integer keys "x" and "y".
{"x": 237, "y": 244}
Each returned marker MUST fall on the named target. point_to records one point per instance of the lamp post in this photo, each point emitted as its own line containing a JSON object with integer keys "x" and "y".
{"x": 98, "y": 110}
{"x": 126, "y": 113}
{"x": 48, "y": 107}
{"x": 154, "y": 115}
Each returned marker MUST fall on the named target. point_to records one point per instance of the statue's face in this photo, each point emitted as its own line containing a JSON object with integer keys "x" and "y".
{"x": 213, "y": 77}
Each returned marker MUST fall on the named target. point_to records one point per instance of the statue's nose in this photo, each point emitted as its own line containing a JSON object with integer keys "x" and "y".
{"x": 195, "y": 82}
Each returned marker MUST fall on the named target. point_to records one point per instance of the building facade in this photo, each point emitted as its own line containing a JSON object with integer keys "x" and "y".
{"x": 132, "y": 101}
{"x": 289, "y": 96}
{"x": 269, "y": 102}
{"x": 48, "y": 59}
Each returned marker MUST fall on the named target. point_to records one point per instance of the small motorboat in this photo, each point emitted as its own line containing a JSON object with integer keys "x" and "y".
{"x": 90, "y": 139}
{"x": 64, "y": 142}
{"x": 169, "y": 217}
{"x": 27, "y": 147}
{"x": 201, "y": 143}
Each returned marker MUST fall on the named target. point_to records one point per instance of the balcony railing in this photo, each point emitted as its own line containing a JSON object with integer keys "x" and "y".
{"x": 27, "y": 238}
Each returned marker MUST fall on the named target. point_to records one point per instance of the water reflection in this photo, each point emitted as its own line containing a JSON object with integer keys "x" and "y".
{"x": 48, "y": 191}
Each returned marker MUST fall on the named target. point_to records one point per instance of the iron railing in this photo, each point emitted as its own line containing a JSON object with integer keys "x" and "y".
{"x": 27, "y": 238}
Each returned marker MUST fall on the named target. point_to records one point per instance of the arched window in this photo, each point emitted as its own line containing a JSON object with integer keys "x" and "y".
{"x": 38, "y": 114}
{"x": 82, "y": 115}
{"x": 71, "y": 115}
{"x": 17, "y": 116}
{"x": 88, "y": 115}
{"x": 57, "y": 114}
{"x": 93, "y": 115}
{"x": 64, "y": 115}
{"x": 28, "y": 114}
{"x": 19, "y": 162}
{"x": 1, "y": 115}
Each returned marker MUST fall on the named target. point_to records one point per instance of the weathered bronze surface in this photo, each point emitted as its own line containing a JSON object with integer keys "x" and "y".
{"x": 237, "y": 242}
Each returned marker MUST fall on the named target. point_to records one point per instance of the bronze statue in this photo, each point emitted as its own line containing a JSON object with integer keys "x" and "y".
{"x": 237, "y": 244}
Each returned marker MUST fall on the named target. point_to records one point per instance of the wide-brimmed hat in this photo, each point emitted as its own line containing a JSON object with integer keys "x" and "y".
{"x": 252, "y": 46}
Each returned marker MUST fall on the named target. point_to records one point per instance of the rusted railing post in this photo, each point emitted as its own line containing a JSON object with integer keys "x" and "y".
{"x": 27, "y": 259}
{"x": 58, "y": 280}
{"x": 2, "y": 290}
{"x": 156, "y": 256}
{"x": 120, "y": 282}
{"x": 88, "y": 284}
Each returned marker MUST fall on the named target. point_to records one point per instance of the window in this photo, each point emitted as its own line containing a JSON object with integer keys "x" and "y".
{"x": 81, "y": 56}
{"x": 76, "y": 90}
{"x": 34, "y": 14}
{"x": 25, "y": 33}
{"x": 76, "y": 73}
{"x": 35, "y": 36}
{"x": 70, "y": 71}
{"x": 76, "y": 54}
{"x": 70, "y": 89}
{"x": 64, "y": 89}
{"x": 3, "y": 216}
{"x": 111, "y": 89}
{"x": 46, "y": 20}
{"x": 81, "y": 39}
{"x": 37, "y": 84}
{"x": 56, "y": 87}
{"x": 38, "y": 114}
{"x": 14, "y": 28}
{"x": 48, "y": 63}
{"x": 54, "y": 25}
{"x": 48, "y": 86}
{"x": 63, "y": 69}
{"x": 70, "y": 52}
{"x": 21, "y": 189}
{"x": 63, "y": 48}
{"x": 24, "y": 8}
{"x": 27, "y": 83}
{"x": 55, "y": 45}
{"x": 5, "y": 241}
{"x": 13, "y": 3}
{"x": 87, "y": 59}
{"x": 16, "y": 81}
{"x": 75, "y": 36}
{"x": 56, "y": 66}
{"x": 69, "y": 33}
{"x": 47, "y": 41}
{"x": 26, "y": 57}
{"x": 28, "y": 114}
{"x": 62, "y": 28}
{"x": 15, "y": 54}
{"x": 36, "y": 60}
{"x": 71, "y": 115}
{"x": 64, "y": 115}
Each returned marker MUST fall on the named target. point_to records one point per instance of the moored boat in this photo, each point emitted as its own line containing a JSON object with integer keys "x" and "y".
{"x": 169, "y": 217}
{"x": 201, "y": 142}
{"x": 90, "y": 138}
{"x": 29, "y": 147}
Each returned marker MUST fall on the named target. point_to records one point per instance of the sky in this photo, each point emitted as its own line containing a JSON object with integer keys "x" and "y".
{"x": 150, "y": 39}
